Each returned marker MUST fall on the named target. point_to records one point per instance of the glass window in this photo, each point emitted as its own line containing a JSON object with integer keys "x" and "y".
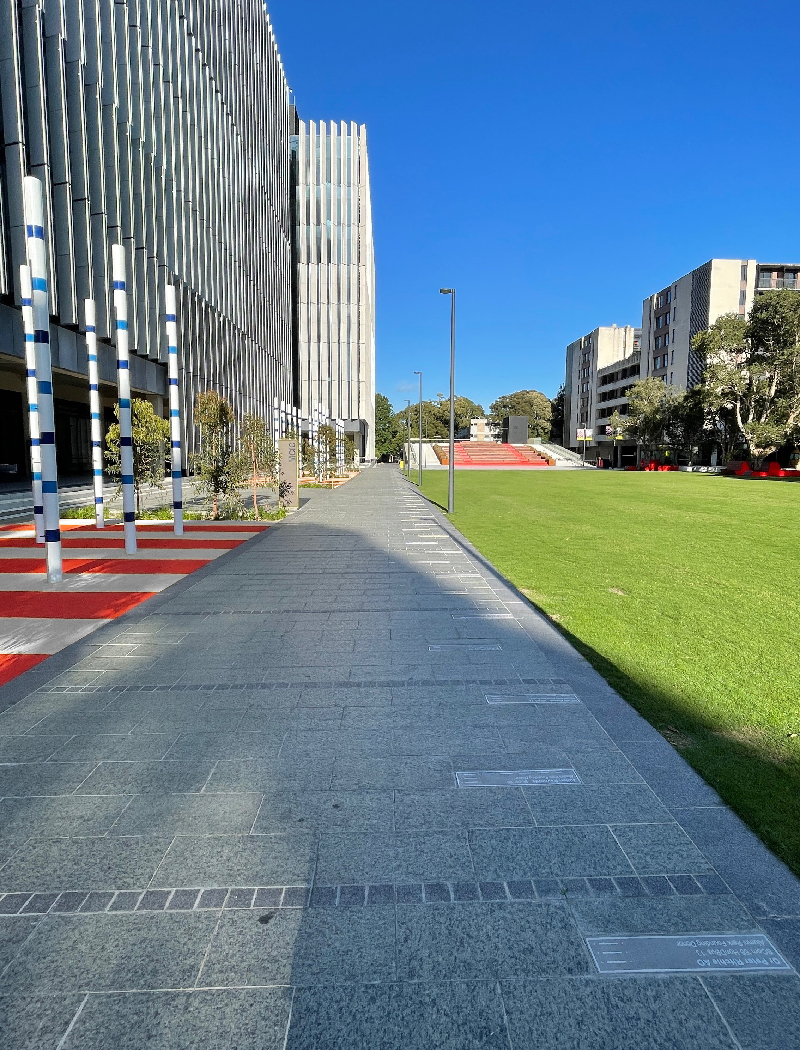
{"x": 666, "y": 339}
{"x": 742, "y": 298}
{"x": 744, "y": 271}
{"x": 660, "y": 301}
{"x": 669, "y": 296}
{"x": 666, "y": 318}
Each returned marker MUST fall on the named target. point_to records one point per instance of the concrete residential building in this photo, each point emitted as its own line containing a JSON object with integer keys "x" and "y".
{"x": 672, "y": 316}
{"x": 336, "y": 277}
{"x": 608, "y": 350}
{"x": 164, "y": 128}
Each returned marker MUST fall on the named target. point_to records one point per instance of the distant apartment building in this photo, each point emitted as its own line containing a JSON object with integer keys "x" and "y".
{"x": 673, "y": 316}
{"x": 601, "y": 368}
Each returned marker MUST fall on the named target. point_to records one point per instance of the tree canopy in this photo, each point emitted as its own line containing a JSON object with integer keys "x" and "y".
{"x": 531, "y": 403}
{"x": 150, "y": 440}
{"x": 436, "y": 417}
{"x": 388, "y": 439}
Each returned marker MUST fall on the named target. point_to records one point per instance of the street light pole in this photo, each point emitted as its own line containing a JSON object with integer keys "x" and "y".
{"x": 419, "y": 453}
{"x": 451, "y": 466}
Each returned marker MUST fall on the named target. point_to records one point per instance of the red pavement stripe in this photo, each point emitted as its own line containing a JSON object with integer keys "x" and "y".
{"x": 118, "y": 543}
{"x": 65, "y": 605}
{"x": 14, "y": 664}
{"x": 171, "y": 565}
{"x": 204, "y": 526}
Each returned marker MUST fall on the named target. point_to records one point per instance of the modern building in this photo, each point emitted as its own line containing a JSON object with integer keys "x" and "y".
{"x": 146, "y": 130}
{"x": 335, "y": 277}
{"x": 672, "y": 316}
{"x": 168, "y": 128}
{"x": 608, "y": 351}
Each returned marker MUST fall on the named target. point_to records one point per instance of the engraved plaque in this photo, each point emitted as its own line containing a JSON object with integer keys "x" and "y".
{"x": 479, "y": 647}
{"x": 531, "y": 698}
{"x": 516, "y": 777}
{"x": 686, "y": 953}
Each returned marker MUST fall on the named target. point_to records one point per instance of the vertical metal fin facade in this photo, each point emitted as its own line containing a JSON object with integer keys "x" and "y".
{"x": 163, "y": 126}
{"x": 336, "y": 273}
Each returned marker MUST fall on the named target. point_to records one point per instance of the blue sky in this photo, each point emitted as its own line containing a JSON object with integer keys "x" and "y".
{"x": 555, "y": 162}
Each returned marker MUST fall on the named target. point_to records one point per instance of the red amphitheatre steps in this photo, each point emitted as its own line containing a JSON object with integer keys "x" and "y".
{"x": 491, "y": 454}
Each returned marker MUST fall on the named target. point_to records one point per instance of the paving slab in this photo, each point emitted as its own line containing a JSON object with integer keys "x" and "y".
{"x": 232, "y": 817}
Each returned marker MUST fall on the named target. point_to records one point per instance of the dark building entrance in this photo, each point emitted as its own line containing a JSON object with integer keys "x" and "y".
{"x": 14, "y": 456}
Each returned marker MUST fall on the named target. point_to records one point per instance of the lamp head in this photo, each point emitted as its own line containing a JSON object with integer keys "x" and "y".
{"x": 445, "y": 291}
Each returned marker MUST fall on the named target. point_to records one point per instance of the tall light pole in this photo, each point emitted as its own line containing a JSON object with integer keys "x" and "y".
{"x": 419, "y": 453}
{"x": 451, "y": 466}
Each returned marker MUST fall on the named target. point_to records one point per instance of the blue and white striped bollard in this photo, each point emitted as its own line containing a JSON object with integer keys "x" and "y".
{"x": 174, "y": 408}
{"x": 37, "y": 260}
{"x": 94, "y": 410}
{"x": 33, "y": 400}
{"x": 124, "y": 390}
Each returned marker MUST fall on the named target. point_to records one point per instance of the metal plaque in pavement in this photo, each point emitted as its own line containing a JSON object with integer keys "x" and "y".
{"x": 531, "y": 698}
{"x": 516, "y": 777}
{"x": 478, "y": 647}
{"x": 686, "y": 953}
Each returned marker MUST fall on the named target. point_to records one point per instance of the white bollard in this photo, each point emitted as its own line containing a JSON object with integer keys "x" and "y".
{"x": 124, "y": 388}
{"x": 37, "y": 260}
{"x": 174, "y": 408}
{"x": 94, "y": 409}
{"x": 33, "y": 400}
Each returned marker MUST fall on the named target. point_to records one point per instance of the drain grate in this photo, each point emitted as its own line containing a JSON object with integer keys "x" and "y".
{"x": 686, "y": 953}
{"x": 516, "y": 777}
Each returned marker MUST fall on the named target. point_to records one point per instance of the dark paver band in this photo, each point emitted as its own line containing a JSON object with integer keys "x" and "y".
{"x": 260, "y": 814}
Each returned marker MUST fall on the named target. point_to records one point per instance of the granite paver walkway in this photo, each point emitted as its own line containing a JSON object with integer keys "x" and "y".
{"x": 234, "y": 820}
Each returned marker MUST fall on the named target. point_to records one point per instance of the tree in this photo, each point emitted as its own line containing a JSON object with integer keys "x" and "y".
{"x": 349, "y": 452}
{"x": 436, "y": 417}
{"x": 219, "y": 470}
{"x": 464, "y": 411}
{"x": 557, "y": 417}
{"x": 752, "y": 368}
{"x": 531, "y": 403}
{"x": 388, "y": 439}
{"x": 259, "y": 452}
{"x": 326, "y": 447}
{"x": 150, "y": 434}
{"x": 652, "y": 407}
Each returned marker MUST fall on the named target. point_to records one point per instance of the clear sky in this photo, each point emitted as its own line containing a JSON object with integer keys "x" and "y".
{"x": 556, "y": 162}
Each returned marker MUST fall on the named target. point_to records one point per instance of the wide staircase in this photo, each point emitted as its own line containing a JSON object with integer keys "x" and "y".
{"x": 563, "y": 456}
{"x": 490, "y": 454}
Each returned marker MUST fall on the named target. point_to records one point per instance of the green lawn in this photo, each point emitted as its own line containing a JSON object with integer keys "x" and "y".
{"x": 682, "y": 591}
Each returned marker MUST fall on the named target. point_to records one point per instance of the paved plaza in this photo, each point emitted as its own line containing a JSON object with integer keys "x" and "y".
{"x": 345, "y": 788}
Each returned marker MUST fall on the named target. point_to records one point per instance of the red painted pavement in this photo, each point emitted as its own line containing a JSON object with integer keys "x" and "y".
{"x": 118, "y": 543}
{"x": 11, "y": 666}
{"x": 90, "y": 605}
{"x": 66, "y": 605}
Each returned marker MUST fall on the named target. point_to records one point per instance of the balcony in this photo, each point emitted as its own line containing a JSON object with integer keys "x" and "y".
{"x": 767, "y": 283}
